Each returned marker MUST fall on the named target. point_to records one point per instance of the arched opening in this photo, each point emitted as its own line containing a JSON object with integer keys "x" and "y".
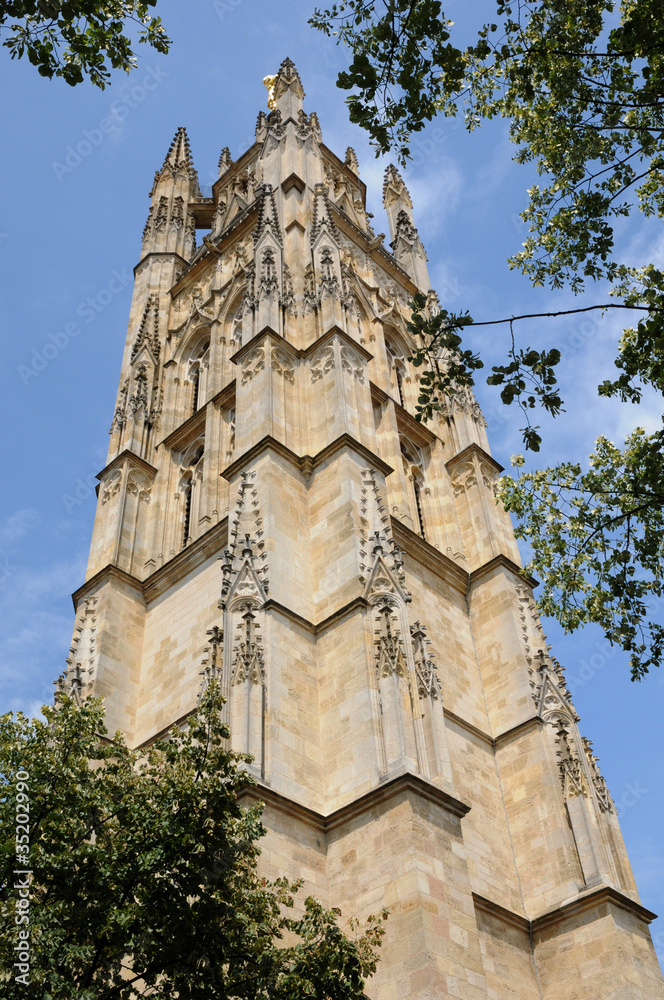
{"x": 398, "y": 367}
{"x": 413, "y": 465}
{"x": 197, "y": 372}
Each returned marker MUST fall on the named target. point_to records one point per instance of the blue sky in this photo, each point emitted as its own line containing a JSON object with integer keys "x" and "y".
{"x": 70, "y": 230}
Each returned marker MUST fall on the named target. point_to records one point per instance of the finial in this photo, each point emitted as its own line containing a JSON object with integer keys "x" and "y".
{"x": 351, "y": 161}
{"x": 394, "y": 188}
{"x": 225, "y": 160}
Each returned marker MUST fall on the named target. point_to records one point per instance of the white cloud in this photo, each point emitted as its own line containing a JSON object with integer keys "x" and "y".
{"x": 18, "y": 525}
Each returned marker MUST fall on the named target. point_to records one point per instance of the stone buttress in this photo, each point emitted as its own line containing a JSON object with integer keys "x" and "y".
{"x": 273, "y": 515}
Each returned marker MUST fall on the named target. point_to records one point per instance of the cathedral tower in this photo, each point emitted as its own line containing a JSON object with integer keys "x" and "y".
{"x": 272, "y": 514}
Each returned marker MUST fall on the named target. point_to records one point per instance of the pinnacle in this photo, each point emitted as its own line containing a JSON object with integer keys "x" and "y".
{"x": 394, "y": 181}
{"x": 267, "y": 215}
{"x": 225, "y": 160}
{"x": 289, "y": 74}
{"x": 351, "y": 161}
{"x": 285, "y": 81}
{"x": 179, "y": 150}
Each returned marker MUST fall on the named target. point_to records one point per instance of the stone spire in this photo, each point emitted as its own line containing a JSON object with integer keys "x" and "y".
{"x": 285, "y": 91}
{"x": 225, "y": 161}
{"x": 170, "y": 227}
{"x": 406, "y": 243}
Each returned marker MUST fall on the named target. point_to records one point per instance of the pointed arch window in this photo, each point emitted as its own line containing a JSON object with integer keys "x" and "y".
{"x": 190, "y": 489}
{"x": 197, "y": 372}
{"x": 398, "y": 367}
{"x": 413, "y": 465}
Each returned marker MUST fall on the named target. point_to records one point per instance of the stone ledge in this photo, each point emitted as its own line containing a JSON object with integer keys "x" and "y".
{"x": 411, "y": 543}
{"x": 473, "y": 449}
{"x": 124, "y": 456}
{"x": 107, "y": 573}
{"x": 506, "y": 563}
{"x": 186, "y": 560}
{"x": 306, "y": 464}
{"x": 406, "y": 422}
{"x": 375, "y": 797}
{"x": 358, "y": 603}
{"x": 588, "y": 901}
{"x": 501, "y": 913}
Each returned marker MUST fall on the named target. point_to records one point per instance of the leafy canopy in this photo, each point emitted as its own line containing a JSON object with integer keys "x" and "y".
{"x": 581, "y": 84}
{"x": 144, "y": 876}
{"x": 78, "y": 38}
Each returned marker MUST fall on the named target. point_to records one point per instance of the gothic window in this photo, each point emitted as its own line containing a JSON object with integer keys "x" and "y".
{"x": 197, "y": 372}
{"x": 191, "y": 481}
{"x": 413, "y": 466}
{"x": 398, "y": 367}
{"x": 186, "y": 515}
{"x": 236, "y": 327}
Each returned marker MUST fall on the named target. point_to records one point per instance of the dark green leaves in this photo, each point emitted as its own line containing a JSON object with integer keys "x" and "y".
{"x": 73, "y": 39}
{"x": 144, "y": 866}
{"x": 597, "y": 539}
{"x": 402, "y": 64}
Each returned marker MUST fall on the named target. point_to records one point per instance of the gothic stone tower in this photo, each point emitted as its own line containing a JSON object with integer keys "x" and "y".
{"x": 272, "y": 514}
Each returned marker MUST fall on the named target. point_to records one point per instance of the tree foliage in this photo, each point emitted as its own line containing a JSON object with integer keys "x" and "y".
{"x": 581, "y": 84}
{"x": 78, "y": 38}
{"x": 144, "y": 877}
{"x": 597, "y": 537}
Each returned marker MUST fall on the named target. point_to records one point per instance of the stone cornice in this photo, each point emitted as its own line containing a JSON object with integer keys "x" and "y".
{"x": 411, "y": 543}
{"x": 107, "y": 573}
{"x": 468, "y": 727}
{"x": 306, "y": 464}
{"x": 298, "y": 352}
{"x": 186, "y": 432}
{"x": 468, "y": 452}
{"x": 534, "y": 722}
{"x": 358, "y": 603}
{"x": 501, "y": 912}
{"x": 406, "y": 422}
{"x": 225, "y": 397}
{"x": 166, "y": 576}
{"x": 124, "y": 456}
{"x": 590, "y": 901}
{"x": 557, "y": 915}
{"x": 197, "y": 552}
{"x": 160, "y": 253}
{"x": 504, "y": 562}
{"x": 375, "y": 797}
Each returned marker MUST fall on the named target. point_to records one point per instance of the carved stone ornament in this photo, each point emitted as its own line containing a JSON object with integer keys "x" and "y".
{"x": 253, "y": 365}
{"x": 322, "y": 362}
{"x": 213, "y": 659}
{"x": 283, "y": 366}
{"x": 352, "y": 363}
{"x": 390, "y": 657}
{"x": 244, "y": 567}
{"x": 428, "y": 685}
{"x": 570, "y": 767}
{"x": 248, "y": 662}
{"x": 381, "y": 563}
